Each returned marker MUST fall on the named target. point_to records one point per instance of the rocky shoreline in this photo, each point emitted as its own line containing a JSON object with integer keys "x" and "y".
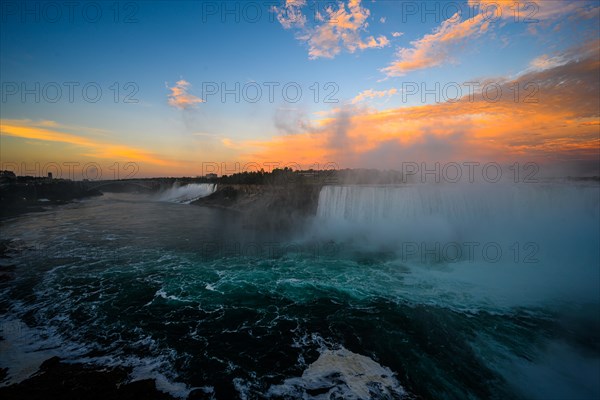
{"x": 21, "y": 196}
{"x": 57, "y": 379}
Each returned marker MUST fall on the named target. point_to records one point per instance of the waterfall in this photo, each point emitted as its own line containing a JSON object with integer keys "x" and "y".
{"x": 518, "y": 241}
{"x": 457, "y": 204}
{"x": 554, "y": 216}
{"x": 187, "y": 193}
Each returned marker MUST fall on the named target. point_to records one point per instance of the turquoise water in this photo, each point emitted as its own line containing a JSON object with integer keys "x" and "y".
{"x": 193, "y": 298}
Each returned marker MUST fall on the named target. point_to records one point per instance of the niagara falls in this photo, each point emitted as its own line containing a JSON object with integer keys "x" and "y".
{"x": 298, "y": 199}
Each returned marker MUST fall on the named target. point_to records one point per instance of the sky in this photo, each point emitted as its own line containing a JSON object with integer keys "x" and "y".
{"x": 118, "y": 89}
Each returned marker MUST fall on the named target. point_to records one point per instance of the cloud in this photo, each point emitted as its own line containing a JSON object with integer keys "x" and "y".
{"x": 291, "y": 16}
{"x": 338, "y": 27}
{"x": 530, "y": 11}
{"x": 546, "y": 62}
{"x": 180, "y": 98}
{"x": 436, "y": 48}
{"x": 290, "y": 121}
{"x": 397, "y": 34}
{"x": 227, "y": 142}
{"x": 372, "y": 94}
{"x": 559, "y": 124}
{"x": 49, "y": 131}
{"x": 587, "y": 50}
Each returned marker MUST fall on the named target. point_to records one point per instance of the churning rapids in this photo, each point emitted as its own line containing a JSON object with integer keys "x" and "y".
{"x": 388, "y": 292}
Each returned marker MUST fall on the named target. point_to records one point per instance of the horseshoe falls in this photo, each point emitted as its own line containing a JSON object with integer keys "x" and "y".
{"x": 536, "y": 242}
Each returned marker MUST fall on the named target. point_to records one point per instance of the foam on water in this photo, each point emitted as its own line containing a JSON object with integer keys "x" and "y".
{"x": 160, "y": 369}
{"x": 24, "y": 349}
{"x": 343, "y": 374}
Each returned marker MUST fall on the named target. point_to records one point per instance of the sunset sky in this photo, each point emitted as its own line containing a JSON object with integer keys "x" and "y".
{"x": 350, "y": 82}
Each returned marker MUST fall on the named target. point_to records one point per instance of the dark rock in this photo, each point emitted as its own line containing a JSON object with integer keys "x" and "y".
{"x": 58, "y": 380}
{"x": 318, "y": 391}
{"x": 270, "y": 207}
{"x": 28, "y": 194}
{"x": 200, "y": 394}
{"x": 3, "y": 372}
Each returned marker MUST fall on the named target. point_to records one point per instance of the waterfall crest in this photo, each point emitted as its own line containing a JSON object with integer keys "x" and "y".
{"x": 550, "y": 214}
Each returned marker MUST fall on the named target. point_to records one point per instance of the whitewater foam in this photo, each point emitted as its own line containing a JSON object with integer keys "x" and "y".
{"x": 24, "y": 349}
{"x": 343, "y": 374}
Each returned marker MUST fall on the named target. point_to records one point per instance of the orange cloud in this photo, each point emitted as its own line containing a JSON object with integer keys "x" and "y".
{"x": 339, "y": 28}
{"x": 559, "y": 122}
{"x": 531, "y": 10}
{"x": 435, "y": 49}
{"x": 180, "y": 98}
{"x": 546, "y": 62}
{"x": 291, "y": 14}
{"x": 47, "y": 131}
{"x": 372, "y": 94}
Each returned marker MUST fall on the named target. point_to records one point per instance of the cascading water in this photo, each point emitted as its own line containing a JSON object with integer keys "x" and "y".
{"x": 456, "y": 203}
{"x": 540, "y": 240}
{"x": 458, "y": 212}
{"x": 187, "y": 193}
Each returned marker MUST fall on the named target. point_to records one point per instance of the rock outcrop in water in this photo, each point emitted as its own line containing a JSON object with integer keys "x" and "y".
{"x": 59, "y": 380}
